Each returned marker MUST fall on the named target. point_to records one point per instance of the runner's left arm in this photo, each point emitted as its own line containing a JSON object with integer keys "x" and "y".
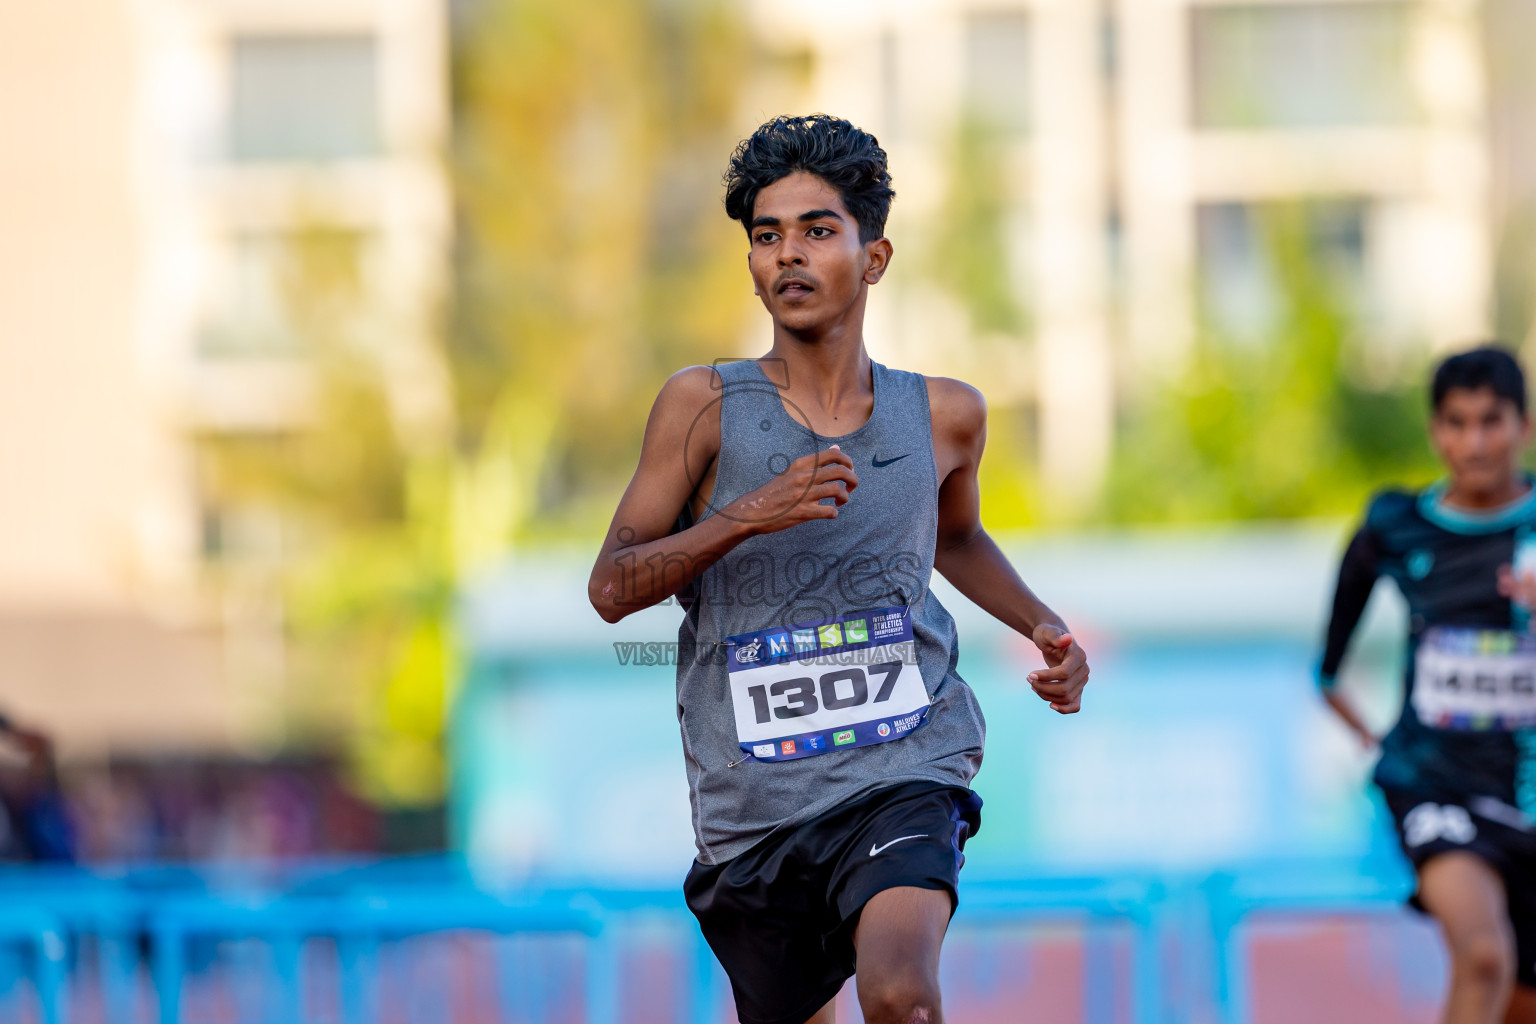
{"x": 970, "y": 559}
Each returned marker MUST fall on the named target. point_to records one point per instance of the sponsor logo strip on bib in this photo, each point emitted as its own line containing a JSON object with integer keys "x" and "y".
{"x": 1475, "y": 679}
{"x": 806, "y": 689}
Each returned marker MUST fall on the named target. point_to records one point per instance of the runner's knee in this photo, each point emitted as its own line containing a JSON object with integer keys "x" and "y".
{"x": 1485, "y": 958}
{"x": 900, "y": 1000}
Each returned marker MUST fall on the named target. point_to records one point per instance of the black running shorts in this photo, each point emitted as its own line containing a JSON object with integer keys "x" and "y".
{"x": 1429, "y": 824}
{"x": 781, "y": 916}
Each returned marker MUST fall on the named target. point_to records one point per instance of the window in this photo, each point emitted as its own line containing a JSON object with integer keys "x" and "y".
{"x": 1257, "y": 260}
{"x": 997, "y": 70}
{"x": 233, "y": 523}
{"x": 1300, "y": 65}
{"x": 304, "y": 98}
{"x": 272, "y": 287}
{"x": 249, "y": 314}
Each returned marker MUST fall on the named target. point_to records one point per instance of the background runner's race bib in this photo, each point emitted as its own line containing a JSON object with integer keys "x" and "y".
{"x": 845, "y": 682}
{"x": 1482, "y": 679}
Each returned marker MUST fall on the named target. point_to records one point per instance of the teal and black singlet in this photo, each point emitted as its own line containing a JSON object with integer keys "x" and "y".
{"x": 1468, "y": 718}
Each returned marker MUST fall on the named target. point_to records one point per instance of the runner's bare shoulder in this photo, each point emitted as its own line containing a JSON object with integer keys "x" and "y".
{"x": 958, "y": 411}
{"x": 687, "y": 412}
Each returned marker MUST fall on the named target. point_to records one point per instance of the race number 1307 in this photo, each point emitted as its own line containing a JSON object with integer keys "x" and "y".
{"x": 834, "y": 691}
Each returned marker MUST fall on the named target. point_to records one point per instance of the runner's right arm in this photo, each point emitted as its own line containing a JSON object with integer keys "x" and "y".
{"x": 1357, "y": 577}
{"x": 642, "y": 561}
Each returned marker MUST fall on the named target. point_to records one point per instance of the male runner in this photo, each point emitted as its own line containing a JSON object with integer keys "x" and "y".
{"x": 797, "y": 503}
{"x": 1458, "y": 770}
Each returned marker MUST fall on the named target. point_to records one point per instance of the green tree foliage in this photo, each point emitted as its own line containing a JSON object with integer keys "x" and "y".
{"x": 1274, "y": 427}
{"x": 592, "y": 259}
{"x": 364, "y": 570}
{"x": 972, "y": 255}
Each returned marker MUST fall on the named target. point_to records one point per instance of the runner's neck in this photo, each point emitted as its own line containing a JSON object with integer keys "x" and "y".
{"x": 1514, "y": 490}
{"x": 835, "y": 389}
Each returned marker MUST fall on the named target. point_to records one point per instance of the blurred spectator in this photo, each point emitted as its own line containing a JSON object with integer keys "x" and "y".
{"x": 34, "y": 818}
{"x": 218, "y": 808}
{"x": 176, "y": 808}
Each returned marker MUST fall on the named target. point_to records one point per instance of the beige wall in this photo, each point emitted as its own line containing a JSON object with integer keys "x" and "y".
{"x": 118, "y": 682}
{"x": 74, "y": 436}
{"x": 116, "y": 205}
{"x": 87, "y": 650}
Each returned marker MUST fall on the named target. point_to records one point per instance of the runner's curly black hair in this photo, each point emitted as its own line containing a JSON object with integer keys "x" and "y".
{"x": 847, "y": 158}
{"x": 1489, "y": 366}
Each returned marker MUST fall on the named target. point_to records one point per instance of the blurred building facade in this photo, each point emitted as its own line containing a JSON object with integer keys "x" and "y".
{"x": 1148, "y": 146}
{"x": 1128, "y": 158}
{"x": 161, "y": 155}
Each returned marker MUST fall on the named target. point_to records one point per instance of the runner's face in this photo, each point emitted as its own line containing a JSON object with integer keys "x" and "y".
{"x": 1479, "y": 436}
{"x": 807, "y": 263}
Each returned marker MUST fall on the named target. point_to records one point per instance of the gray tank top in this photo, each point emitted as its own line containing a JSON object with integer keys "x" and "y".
{"x": 837, "y": 585}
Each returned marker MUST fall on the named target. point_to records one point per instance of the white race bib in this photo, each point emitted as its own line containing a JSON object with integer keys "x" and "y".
{"x": 1475, "y": 679}
{"x": 810, "y": 688}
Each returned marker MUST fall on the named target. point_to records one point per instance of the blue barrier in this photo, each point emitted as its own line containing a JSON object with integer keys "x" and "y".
{"x": 1292, "y": 888}
{"x": 358, "y": 925}
{"x": 1185, "y": 940}
{"x": 1139, "y": 901}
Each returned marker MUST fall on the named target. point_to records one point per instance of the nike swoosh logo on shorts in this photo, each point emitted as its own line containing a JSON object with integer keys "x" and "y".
{"x": 881, "y": 465}
{"x": 876, "y": 849}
